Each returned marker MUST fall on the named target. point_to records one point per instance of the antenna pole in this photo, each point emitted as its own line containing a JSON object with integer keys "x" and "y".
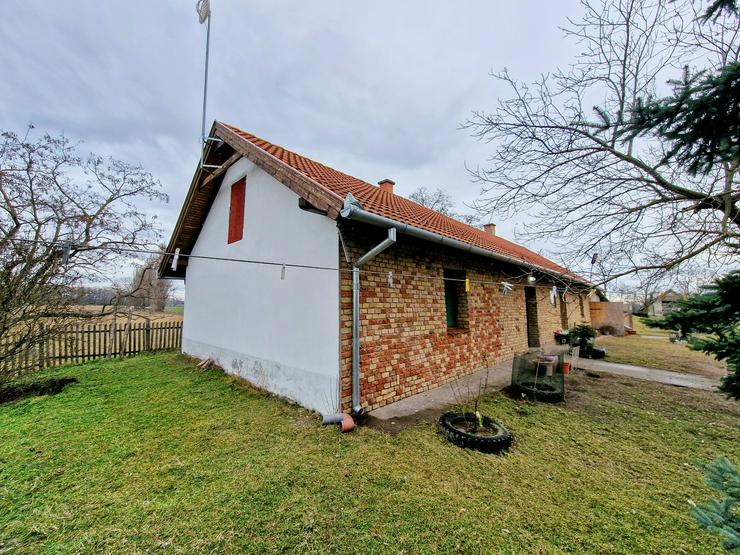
{"x": 205, "y": 93}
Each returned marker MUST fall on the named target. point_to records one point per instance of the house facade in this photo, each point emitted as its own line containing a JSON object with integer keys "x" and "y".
{"x": 341, "y": 295}
{"x": 277, "y": 331}
{"x": 664, "y": 303}
{"x": 408, "y": 344}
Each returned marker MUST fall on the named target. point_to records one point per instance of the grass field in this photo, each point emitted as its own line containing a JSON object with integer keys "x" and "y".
{"x": 152, "y": 454}
{"x": 642, "y": 329}
{"x": 659, "y": 352}
{"x": 138, "y": 315}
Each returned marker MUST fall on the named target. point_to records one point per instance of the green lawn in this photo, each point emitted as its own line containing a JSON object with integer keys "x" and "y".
{"x": 660, "y": 353}
{"x": 656, "y": 351}
{"x": 152, "y": 454}
{"x": 642, "y": 329}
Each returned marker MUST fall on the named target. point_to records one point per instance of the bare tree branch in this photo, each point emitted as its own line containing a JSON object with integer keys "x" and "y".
{"x": 561, "y": 153}
{"x": 52, "y": 197}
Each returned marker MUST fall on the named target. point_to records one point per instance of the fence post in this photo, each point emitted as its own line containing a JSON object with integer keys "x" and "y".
{"x": 126, "y": 333}
{"x": 111, "y": 338}
{"x": 42, "y": 347}
{"x": 148, "y": 335}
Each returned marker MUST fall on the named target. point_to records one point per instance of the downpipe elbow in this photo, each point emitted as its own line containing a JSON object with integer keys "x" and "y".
{"x": 345, "y": 421}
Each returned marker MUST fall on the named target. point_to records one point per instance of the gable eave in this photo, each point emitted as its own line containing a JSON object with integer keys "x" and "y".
{"x": 205, "y": 184}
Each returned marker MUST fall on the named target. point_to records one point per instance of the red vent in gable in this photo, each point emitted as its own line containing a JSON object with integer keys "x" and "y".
{"x": 236, "y": 211}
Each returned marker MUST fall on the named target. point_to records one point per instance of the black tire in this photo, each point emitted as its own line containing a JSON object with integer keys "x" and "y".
{"x": 541, "y": 391}
{"x": 500, "y": 441}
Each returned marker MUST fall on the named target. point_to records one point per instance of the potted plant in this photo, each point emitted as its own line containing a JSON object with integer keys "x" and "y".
{"x": 584, "y": 336}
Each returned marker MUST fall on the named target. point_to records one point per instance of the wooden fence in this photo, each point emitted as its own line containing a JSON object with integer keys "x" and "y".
{"x": 82, "y": 343}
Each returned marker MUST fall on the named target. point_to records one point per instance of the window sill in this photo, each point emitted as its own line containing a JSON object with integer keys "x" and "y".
{"x": 457, "y": 331}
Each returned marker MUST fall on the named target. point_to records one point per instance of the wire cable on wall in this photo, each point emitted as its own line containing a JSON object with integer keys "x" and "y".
{"x": 507, "y": 284}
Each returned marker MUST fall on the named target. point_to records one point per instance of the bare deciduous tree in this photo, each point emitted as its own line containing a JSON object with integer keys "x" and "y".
{"x": 442, "y": 202}
{"x": 563, "y": 152}
{"x": 62, "y": 220}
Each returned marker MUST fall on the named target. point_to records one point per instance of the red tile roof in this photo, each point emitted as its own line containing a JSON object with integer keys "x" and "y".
{"x": 398, "y": 208}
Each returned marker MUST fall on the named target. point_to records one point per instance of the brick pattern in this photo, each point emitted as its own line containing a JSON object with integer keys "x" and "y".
{"x": 406, "y": 347}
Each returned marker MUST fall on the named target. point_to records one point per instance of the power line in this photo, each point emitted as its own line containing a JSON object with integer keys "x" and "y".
{"x": 66, "y": 245}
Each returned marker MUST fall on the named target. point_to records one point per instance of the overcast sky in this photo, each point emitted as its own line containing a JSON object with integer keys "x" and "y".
{"x": 377, "y": 90}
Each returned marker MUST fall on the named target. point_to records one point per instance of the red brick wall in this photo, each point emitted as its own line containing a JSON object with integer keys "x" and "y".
{"x": 549, "y": 316}
{"x": 406, "y": 347}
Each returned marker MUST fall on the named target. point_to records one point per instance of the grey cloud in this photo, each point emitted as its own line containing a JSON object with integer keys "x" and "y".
{"x": 376, "y": 90}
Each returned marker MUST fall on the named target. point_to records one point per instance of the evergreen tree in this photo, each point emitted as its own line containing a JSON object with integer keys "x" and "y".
{"x": 715, "y": 312}
{"x": 718, "y": 6}
{"x": 722, "y": 516}
{"x": 700, "y": 122}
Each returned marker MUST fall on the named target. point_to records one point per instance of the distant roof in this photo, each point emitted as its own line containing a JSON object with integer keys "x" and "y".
{"x": 326, "y": 188}
{"x": 670, "y": 295}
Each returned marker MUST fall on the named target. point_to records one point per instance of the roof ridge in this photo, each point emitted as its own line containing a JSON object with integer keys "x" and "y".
{"x": 290, "y": 152}
{"x": 382, "y": 192}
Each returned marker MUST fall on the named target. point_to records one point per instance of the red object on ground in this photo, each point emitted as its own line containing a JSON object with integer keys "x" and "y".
{"x": 566, "y": 368}
{"x": 348, "y": 423}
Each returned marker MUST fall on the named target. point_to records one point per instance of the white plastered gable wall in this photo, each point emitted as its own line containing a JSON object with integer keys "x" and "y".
{"x": 280, "y": 334}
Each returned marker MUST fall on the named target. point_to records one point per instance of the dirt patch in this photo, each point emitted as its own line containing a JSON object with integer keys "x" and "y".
{"x": 395, "y": 426}
{"x": 137, "y": 316}
{"x": 586, "y": 391}
{"x": 51, "y": 386}
{"x": 582, "y": 390}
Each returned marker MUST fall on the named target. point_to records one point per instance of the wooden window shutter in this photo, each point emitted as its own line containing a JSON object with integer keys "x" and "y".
{"x": 236, "y": 210}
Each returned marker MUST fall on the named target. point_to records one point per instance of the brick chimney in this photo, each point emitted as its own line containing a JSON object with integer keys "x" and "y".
{"x": 490, "y": 228}
{"x": 386, "y": 185}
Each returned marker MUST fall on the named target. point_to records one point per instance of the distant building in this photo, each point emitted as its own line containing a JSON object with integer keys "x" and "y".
{"x": 663, "y": 304}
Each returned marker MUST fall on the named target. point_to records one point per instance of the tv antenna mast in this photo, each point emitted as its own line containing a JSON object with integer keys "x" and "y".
{"x": 203, "y": 7}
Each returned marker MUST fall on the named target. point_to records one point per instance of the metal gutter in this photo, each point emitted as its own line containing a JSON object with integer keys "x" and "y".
{"x": 353, "y": 210}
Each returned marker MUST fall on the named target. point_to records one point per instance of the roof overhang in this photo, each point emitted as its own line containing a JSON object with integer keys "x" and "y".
{"x": 352, "y": 210}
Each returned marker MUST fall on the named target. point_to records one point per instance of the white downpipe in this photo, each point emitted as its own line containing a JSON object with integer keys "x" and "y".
{"x": 353, "y": 210}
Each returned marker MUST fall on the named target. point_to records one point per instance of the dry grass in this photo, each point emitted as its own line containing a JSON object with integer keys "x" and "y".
{"x": 660, "y": 353}
{"x": 642, "y": 329}
{"x": 138, "y": 315}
